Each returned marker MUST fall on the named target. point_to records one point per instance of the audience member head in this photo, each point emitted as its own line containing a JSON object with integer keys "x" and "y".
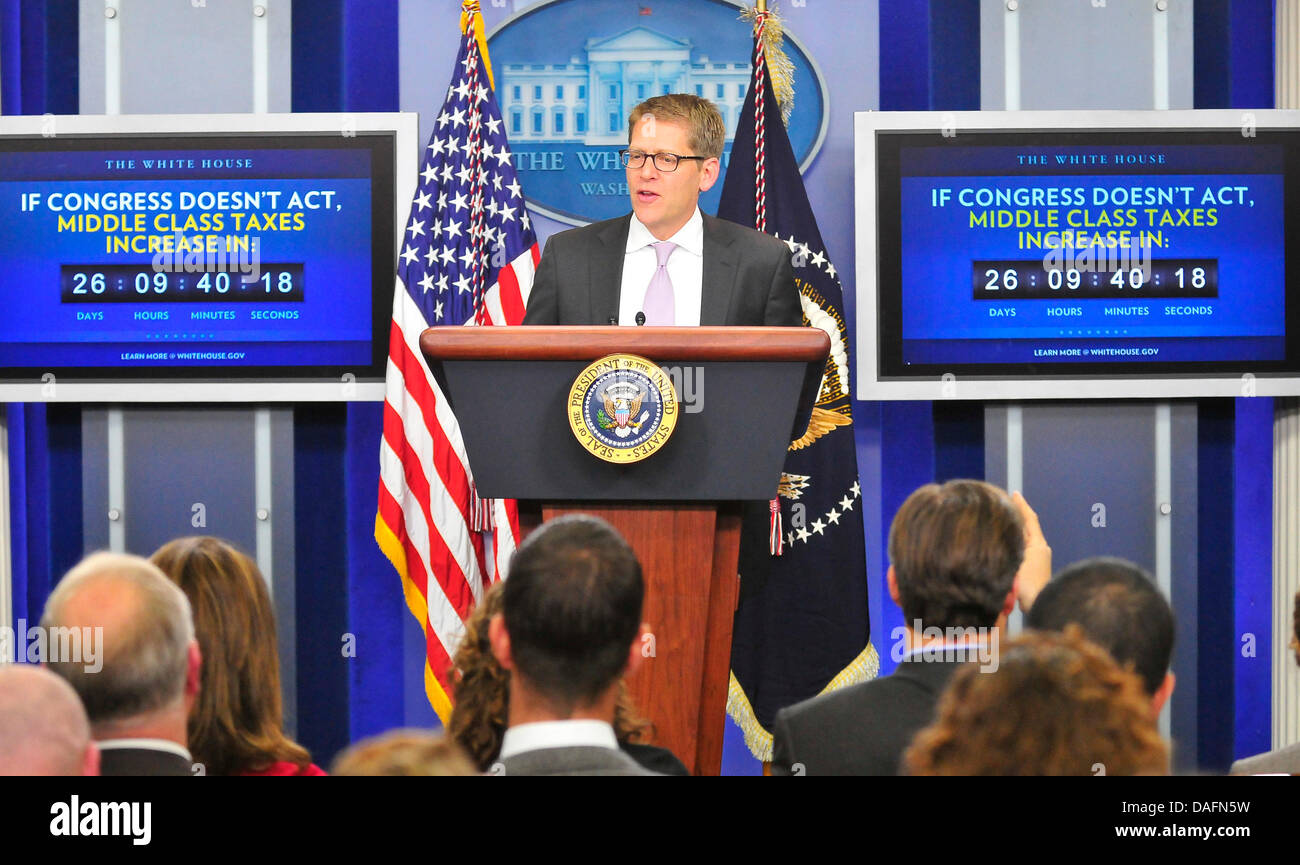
{"x": 148, "y": 675}
{"x": 404, "y": 752}
{"x": 1295, "y": 627}
{"x": 571, "y": 613}
{"x": 43, "y": 728}
{"x": 1056, "y": 705}
{"x": 237, "y": 724}
{"x": 481, "y": 711}
{"x": 1119, "y": 608}
{"x": 953, "y": 555}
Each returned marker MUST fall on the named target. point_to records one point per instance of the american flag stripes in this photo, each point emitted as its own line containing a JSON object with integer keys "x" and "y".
{"x": 468, "y": 257}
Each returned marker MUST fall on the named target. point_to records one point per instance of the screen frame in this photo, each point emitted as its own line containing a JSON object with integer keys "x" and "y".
{"x": 872, "y": 385}
{"x": 72, "y": 385}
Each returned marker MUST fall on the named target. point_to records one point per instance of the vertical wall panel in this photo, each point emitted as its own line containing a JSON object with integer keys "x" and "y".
{"x": 1089, "y": 473}
{"x": 6, "y": 546}
{"x": 90, "y": 47}
{"x": 1286, "y": 572}
{"x": 185, "y": 56}
{"x": 190, "y": 57}
{"x": 321, "y": 541}
{"x": 1286, "y": 455}
{"x": 1252, "y": 572}
{"x": 178, "y": 459}
{"x": 284, "y": 561}
{"x": 316, "y": 50}
{"x": 1089, "y": 468}
{"x": 907, "y": 447}
{"x": 39, "y": 53}
{"x": 1287, "y": 82}
{"x": 1081, "y": 55}
{"x": 905, "y": 28}
{"x": 1216, "y": 718}
{"x": 1184, "y": 552}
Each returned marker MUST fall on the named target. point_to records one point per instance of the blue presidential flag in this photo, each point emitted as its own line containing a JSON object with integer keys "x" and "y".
{"x": 802, "y": 626}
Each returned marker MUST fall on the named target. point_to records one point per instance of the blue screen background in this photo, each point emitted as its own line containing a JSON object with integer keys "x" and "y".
{"x": 334, "y": 320}
{"x": 942, "y": 322}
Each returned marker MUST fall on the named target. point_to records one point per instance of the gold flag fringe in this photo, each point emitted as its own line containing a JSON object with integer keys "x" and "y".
{"x": 865, "y": 666}
{"x": 780, "y": 67}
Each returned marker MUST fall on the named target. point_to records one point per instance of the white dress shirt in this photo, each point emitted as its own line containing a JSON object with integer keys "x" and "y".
{"x": 685, "y": 269}
{"x": 557, "y": 734}
{"x": 147, "y": 744}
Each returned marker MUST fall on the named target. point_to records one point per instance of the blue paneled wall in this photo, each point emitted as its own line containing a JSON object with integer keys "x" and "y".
{"x": 349, "y": 55}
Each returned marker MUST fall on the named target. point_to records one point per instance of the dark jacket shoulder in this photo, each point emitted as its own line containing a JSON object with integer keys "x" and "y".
{"x": 656, "y": 759}
{"x": 143, "y": 761}
{"x": 862, "y": 729}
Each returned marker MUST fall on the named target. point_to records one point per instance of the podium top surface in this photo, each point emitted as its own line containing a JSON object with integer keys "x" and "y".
{"x": 539, "y": 342}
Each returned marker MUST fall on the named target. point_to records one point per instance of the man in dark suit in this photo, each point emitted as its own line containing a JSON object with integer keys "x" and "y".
{"x": 144, "y": 680}
{"x": 666, "y": 263}
{"x": 568, "y": 631}
{"x": 954, "y": 553}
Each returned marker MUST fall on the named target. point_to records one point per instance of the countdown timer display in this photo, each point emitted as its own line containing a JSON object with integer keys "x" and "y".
{"x": 1097, "y": 252}
{"x": 227, "y": 256}
{"x": 125, "y": 283}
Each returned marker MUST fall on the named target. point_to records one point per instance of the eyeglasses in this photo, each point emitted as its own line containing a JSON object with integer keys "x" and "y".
{"x": 663, "y": 161}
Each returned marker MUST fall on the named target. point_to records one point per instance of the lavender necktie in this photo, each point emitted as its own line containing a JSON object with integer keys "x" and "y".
{"x": 658, "y": 305}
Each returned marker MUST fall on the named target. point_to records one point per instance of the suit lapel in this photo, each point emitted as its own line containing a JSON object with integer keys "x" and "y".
{"x": 720, "y": 271}
{"x": 606, "y": 259}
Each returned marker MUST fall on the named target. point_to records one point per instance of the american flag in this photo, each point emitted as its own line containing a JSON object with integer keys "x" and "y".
{"x": 468, "y": 258}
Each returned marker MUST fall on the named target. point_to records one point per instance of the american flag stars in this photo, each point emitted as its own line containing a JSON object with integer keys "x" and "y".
{"x": 469, "y": 173}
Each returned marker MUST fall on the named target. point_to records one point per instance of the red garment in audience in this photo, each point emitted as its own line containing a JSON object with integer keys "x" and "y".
{"x": 284, "y": 767}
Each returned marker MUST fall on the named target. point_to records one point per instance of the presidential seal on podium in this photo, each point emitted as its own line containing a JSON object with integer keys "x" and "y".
{"x": 622, "y": 408}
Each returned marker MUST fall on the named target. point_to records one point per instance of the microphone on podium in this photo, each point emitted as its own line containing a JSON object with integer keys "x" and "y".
{"x": 640, "y": 318}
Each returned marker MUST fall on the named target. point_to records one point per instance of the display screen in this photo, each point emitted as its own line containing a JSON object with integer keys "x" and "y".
{"x": 167, "y": 256}
{"x": 1099, "y": 252}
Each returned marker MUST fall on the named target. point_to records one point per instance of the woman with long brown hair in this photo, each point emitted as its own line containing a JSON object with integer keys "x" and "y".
{"x": 236, "y": 726}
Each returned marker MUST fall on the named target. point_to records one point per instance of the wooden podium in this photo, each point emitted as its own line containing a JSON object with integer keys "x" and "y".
{"x": 744, "y": 394}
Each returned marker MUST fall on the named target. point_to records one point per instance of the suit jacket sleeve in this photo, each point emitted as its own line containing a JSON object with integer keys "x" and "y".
{"x": 544, "y": 298}
{"x": 783, "y": 307}
{"x": 782, "y": 746}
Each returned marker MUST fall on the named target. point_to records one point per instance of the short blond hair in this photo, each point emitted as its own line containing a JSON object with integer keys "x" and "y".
{"x": 707, "y": 131}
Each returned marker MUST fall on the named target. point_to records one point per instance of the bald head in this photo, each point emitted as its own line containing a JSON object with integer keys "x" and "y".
{"x": 146, "y": 632}
{"x": 43, "y": 728}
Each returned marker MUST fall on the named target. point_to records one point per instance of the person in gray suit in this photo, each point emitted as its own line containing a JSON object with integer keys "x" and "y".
{"x": 666, "y": 263}
{"x": 1283, "y": 761}
{"x": 568, "y": 632}
{"x": 958, "y": 555}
